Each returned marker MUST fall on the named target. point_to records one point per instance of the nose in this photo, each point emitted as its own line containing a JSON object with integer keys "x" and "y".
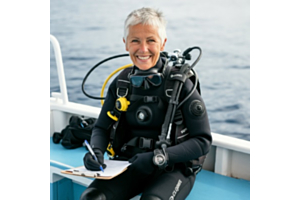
{"x": 143, "y": 47}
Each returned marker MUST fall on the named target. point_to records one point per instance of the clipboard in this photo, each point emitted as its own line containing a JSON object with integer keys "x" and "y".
{"x": 113, "y": 169}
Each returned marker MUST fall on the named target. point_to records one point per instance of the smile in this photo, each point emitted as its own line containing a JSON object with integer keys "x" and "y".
{"x": 143, "y": 57}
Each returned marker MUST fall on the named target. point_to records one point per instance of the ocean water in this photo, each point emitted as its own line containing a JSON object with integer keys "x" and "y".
{"x": 92, "y": 30}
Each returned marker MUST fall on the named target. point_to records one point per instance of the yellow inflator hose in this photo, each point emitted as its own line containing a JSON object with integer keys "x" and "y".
{"x": 107, "y": 79}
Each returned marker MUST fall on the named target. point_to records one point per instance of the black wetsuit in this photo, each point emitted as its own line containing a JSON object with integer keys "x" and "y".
{"x": 150, "y": 181}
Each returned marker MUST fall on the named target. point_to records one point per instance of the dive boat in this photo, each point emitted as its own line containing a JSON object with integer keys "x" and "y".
{"x": 225, "y": 174}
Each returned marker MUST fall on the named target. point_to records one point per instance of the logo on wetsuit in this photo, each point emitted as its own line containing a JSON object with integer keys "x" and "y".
{"x": 172, "y": 197}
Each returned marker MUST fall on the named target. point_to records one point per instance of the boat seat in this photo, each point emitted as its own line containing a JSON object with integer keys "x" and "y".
{"x": 208, "y": 185}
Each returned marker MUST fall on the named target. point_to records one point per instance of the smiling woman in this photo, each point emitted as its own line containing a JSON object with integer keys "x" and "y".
{"x": 136, "y": 131}
{"x": 145, "y": 37}
{"x": 90, "y": 31}
{"x": 144, "y": 45}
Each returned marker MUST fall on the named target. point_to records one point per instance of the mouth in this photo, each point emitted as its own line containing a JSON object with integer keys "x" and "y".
{"x": 143, "y": 57}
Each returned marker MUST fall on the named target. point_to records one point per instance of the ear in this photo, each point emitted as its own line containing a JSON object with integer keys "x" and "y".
{"x": 163, "y": 45}
{"x": 125, "y": 44}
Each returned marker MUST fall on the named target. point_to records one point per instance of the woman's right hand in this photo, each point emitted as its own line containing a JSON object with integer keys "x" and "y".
{"x": 91, "y": 164}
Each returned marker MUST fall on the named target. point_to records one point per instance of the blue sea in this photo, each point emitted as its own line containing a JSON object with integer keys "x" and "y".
{"x": 91, "y": 30}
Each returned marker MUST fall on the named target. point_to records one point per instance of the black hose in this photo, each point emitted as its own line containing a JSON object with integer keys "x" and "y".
{"x": 123, "y": 55}
{"x": 196, "y": 75}
{"x": 189, "y": 50}
{"x": 92, "y": 69}
{"x": 192, "y": 91}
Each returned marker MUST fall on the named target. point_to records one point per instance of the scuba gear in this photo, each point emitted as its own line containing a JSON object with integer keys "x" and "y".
{"x": 154, "y": 79}
{"x": 144, "y": 77}
{"x": 160, "y": 158}
{"x": 177, "y": 74}
{"x": 197, "y": 108}
{"x": 110, "y": 151}
{"x": 94, "y": 67}
{"x": 112, "y": 115}
{"x": 107, "y": 79}
{"x": 122, "y": 104}
{"x": 184, "y": 68}
{"x": 75, "y": 133}
{"x": 163, "y": 54}
{"x": 144, "y": 114}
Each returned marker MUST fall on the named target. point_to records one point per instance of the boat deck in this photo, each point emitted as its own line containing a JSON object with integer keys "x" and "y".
{"x": 208, "y": 185}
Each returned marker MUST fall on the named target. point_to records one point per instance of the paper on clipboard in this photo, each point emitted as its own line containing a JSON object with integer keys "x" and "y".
{"x": 113, "y": 169}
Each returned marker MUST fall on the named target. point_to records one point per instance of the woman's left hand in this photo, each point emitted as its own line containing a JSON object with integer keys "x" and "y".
{"x": 143, "y": 163}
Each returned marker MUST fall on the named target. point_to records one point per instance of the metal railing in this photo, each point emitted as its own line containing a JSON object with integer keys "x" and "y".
{"x": 60, "y": 70}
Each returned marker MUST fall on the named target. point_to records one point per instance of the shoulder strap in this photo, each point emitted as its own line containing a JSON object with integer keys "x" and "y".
{"x": 172, "y": 74}
{"x": 123, "y": 83}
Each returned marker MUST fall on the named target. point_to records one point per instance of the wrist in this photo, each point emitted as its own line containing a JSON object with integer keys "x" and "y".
{"x": 160, "y": 158}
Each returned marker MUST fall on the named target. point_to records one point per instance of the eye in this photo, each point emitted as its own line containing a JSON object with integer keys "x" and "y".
{"x": 151, "y": 40}
{"x": 134, "y": 40}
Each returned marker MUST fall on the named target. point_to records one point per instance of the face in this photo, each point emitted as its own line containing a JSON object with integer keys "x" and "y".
{"x": 144, "y": 45}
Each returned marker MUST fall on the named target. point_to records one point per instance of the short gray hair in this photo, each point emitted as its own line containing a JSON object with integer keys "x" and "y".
{"x": 147, "y": 16}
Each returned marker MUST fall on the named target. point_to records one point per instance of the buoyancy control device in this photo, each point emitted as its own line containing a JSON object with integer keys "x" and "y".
{"x": 177, "y": 73}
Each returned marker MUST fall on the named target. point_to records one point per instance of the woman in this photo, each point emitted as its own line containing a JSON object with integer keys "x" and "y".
{"x": 139, "y": 125}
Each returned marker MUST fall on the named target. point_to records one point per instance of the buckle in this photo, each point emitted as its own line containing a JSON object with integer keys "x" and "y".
{"x": 124, "y": 92}
{"x": 150, "y": 99}
{"x": 145, "y": 143}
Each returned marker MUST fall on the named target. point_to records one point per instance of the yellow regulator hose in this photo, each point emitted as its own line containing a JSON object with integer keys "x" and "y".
{"x": 107, "y": 79}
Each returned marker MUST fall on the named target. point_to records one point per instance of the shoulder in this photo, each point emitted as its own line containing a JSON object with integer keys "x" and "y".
{"x": 123, "y": 75}
{"x": 125, "y": 72}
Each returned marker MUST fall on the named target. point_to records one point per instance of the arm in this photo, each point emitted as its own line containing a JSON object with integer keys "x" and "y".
{"x": 100, "y": 133}
{"x": 200, "y": 138}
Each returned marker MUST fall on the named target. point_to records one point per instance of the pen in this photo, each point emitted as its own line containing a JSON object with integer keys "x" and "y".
{"x": 92, "y": 152}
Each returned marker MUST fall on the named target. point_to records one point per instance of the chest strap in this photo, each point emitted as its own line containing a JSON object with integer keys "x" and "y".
{"x": 139, "y": 142}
